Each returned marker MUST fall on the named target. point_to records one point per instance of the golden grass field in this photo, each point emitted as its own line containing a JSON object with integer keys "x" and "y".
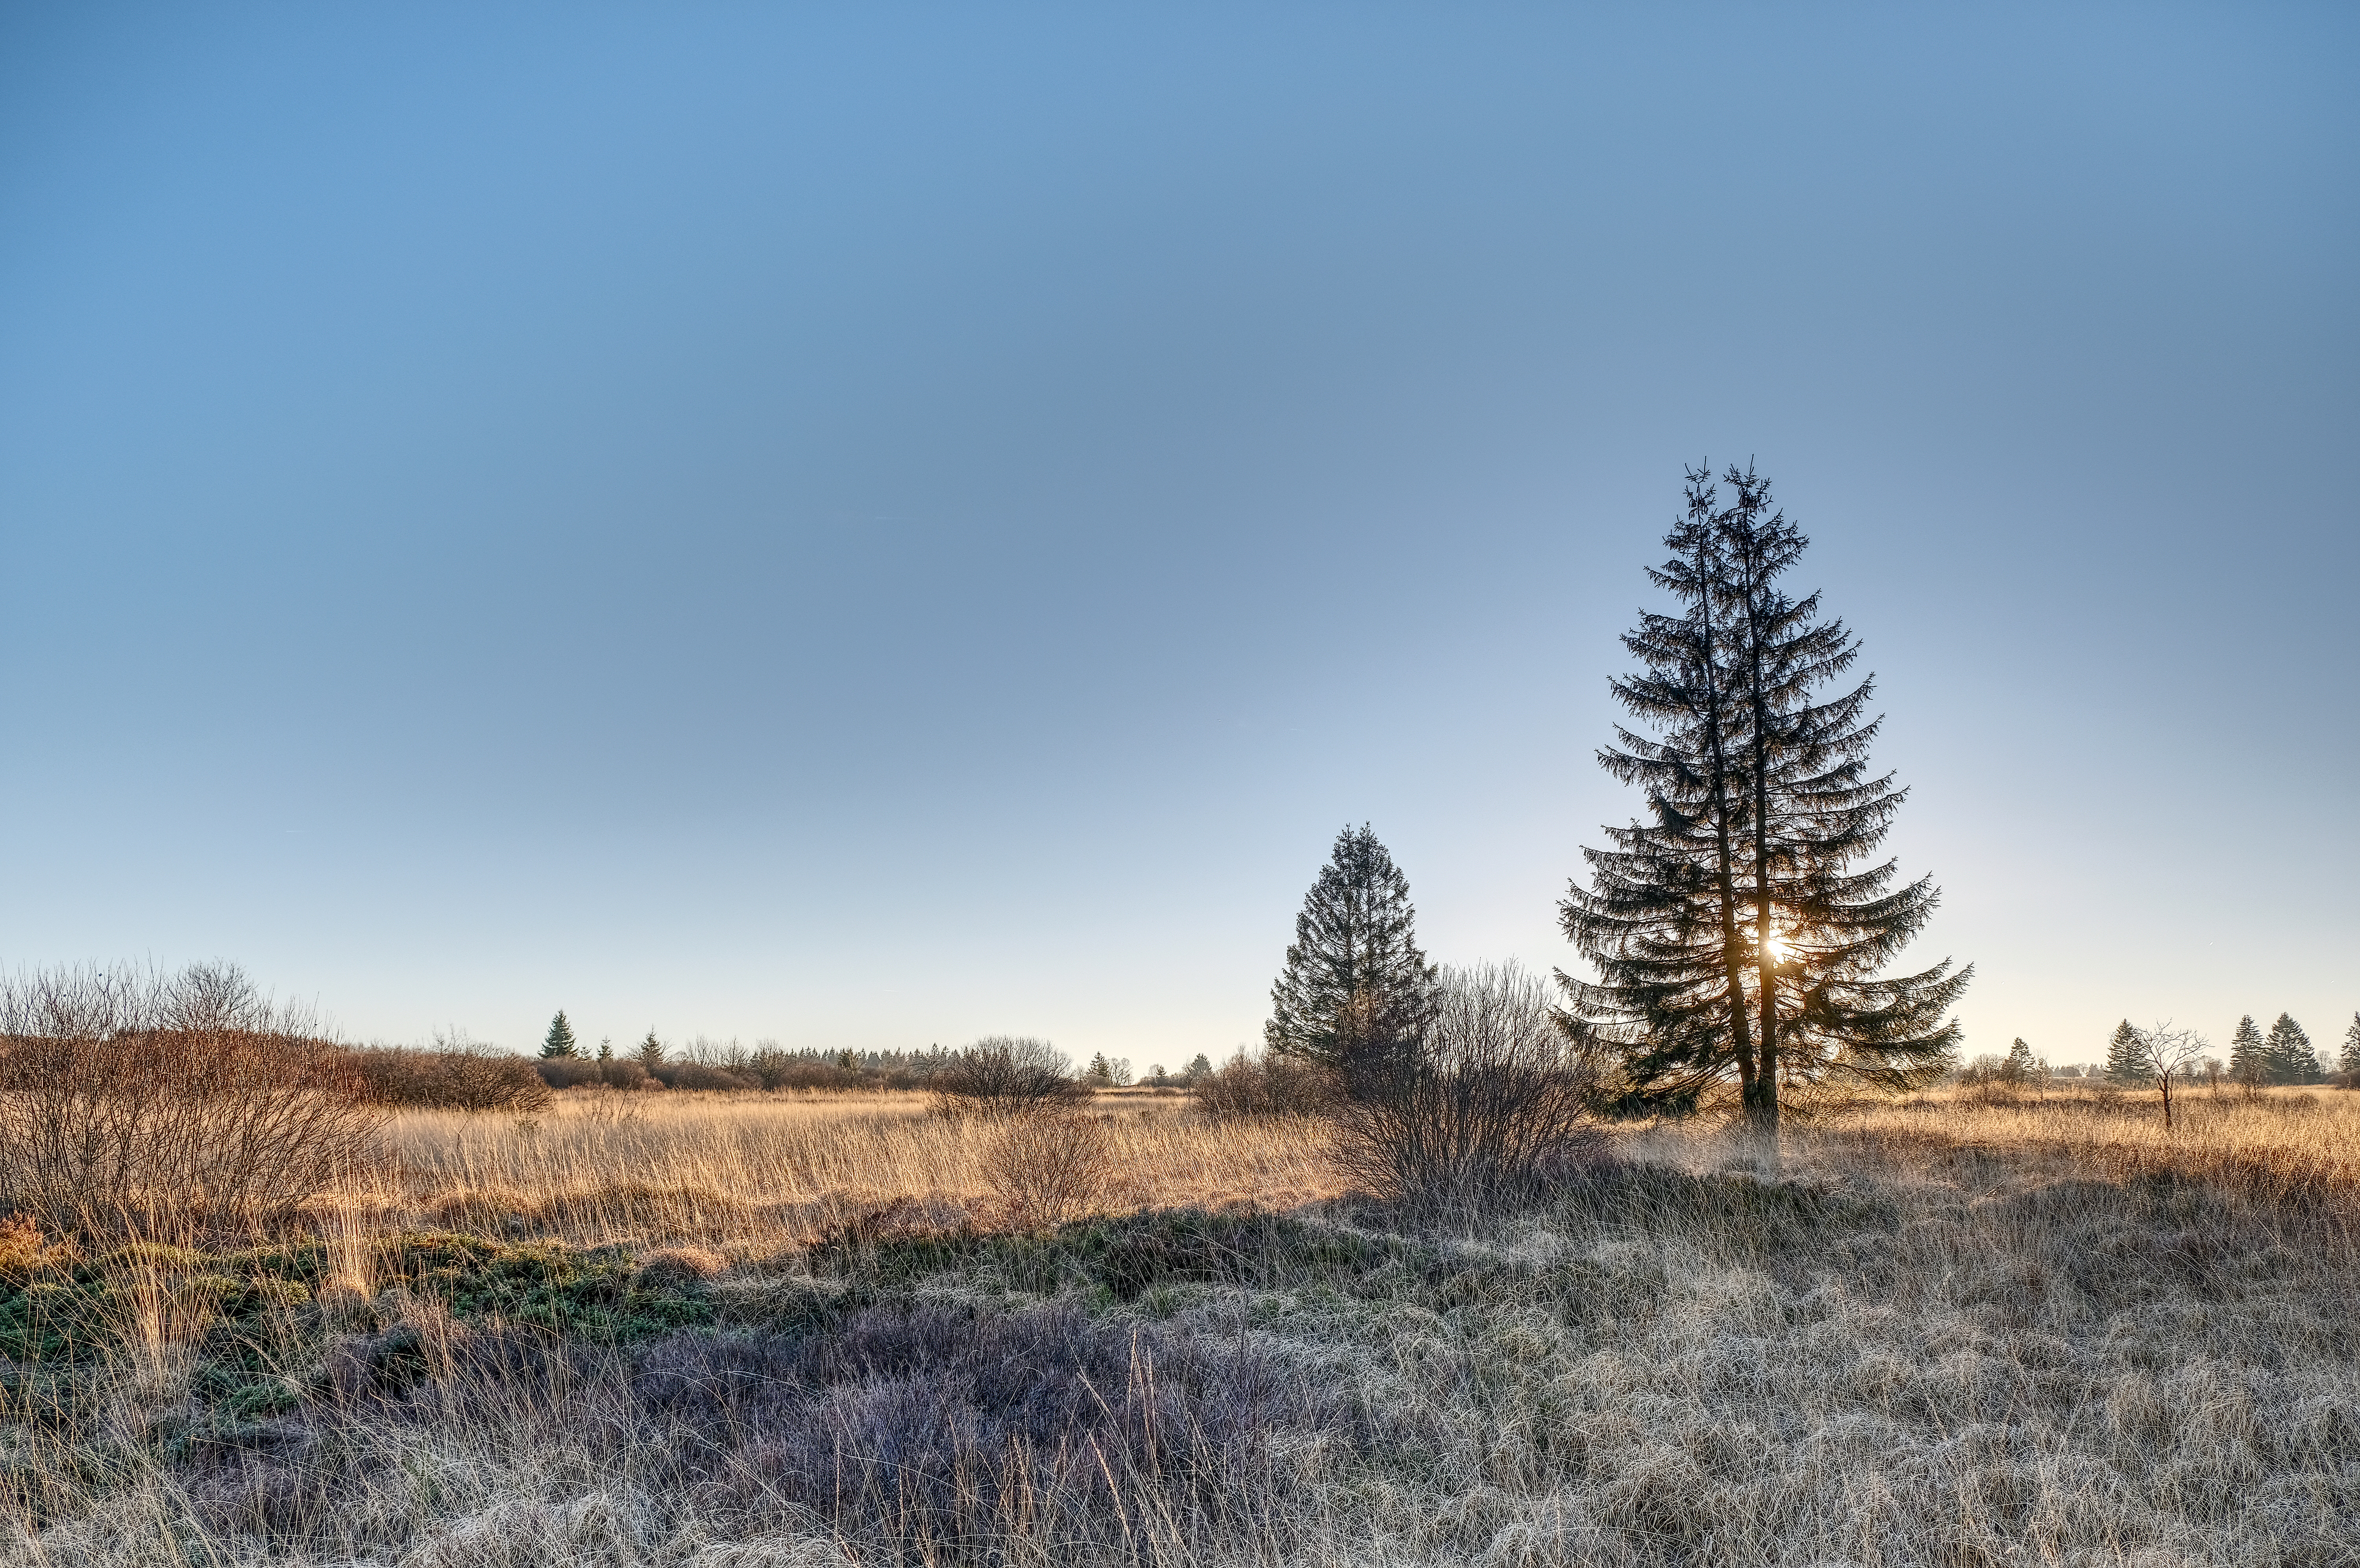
{"x": 761, "y": 1171}
{"x": 1959, "y": 1329}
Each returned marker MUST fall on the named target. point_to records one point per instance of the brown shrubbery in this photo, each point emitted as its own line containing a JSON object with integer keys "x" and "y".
{"x": 1004, "y": 1076}
{"x": 131, "y": 1100}
{"x": 1048, "y": 1166}
{"x": 456, "y": 1075}
{"x": 1489, "y": 1104}
{"x": 1264, "y": 1086}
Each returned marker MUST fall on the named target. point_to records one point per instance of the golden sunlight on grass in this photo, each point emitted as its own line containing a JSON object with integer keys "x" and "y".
{"x": 754, "y": 1171}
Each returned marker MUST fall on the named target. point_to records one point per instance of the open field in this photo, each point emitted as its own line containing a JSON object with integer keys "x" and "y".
{"x": 768, "y": 1331}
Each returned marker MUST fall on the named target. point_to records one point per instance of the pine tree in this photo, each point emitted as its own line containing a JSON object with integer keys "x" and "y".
{"x": 2021, "y": 1066}
{"x": 1356, "y": 989}
{"x": 2288, "y": 1054}
{"x": 650, "y": 1053}
{"x": 606, "y": 1048}
{"x": 1659, "y": 919}
{"x": 2247, "y": 1064}
{"x": 1822, "y": 928}
{"x": 559, "y": 1042}
{"x": 1736, "y": 933}
{"x": 2127, "y": 1062}
{"x": 2349, "y": 1062}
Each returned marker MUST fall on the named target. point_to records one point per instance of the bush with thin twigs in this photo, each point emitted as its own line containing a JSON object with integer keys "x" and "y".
{"x": 1048, "y": 1166}
{"x": 1265, "y": 1087}
{"x": 456, "y": 1075}
{"x": 695, "y": 1075}
{"x": 132, "y": 1100}
{"x": 1491, "y": 1106}
{"x": 1004, "y": 1076}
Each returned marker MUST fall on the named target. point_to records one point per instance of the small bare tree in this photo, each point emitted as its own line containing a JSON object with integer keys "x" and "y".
{"x": 1048, "y": 1164}
{"x": 1003, "y": 1075}
{"x": 135, "y": 1100}
{"x": 1491, "y": 1106}
{"x": 2171, "y": 1052}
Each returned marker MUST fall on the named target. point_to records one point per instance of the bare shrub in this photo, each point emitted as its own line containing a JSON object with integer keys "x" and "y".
{"x": 1265, "y": 1087}
{"x": 457, "y": 1074}
{"x": 1048, "y": 1165}
{"x": 1493, "y": 1106}
{"x": 693, "y": 1076}
{"x": 1004, "y": 1076}
{"x": 134, "y": 1100}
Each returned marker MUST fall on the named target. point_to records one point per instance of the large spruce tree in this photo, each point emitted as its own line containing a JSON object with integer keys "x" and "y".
{"x": 1356, "y": 991}
{"x": 2349, "y": 1062}
{"x": 1737, "y": 932}
{"x": 1660, "y": 918}
{"x": 559, "y": 1042}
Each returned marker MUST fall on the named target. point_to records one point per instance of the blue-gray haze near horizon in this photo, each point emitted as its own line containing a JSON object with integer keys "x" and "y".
{"x": 889, "y": 525}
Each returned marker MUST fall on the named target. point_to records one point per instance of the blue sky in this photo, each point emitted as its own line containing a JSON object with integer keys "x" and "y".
{"x": 876, "y": 525}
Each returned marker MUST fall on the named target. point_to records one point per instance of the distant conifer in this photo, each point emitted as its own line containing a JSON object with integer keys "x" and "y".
{"x": 2247, "y": 1064}
{"x": 650, "y": 1053}
{"x": 2288, "y": 1054}
{"x": 2349, "y": 1062}
{"x": 2022, "y": 1066}
{"x": 559, "y": 1042}
{"x": 2127, "y": 1062}
{"x": 1355, "y": 988}
{"x": 606, "y": 1048}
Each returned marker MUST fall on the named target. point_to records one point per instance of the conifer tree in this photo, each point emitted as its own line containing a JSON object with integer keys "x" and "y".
{"x": 2126, "y": 1062}
{"x": 1660, "y": 918}
{"x": 1356, "y": 989}
{"x": 2349, "y": 1062}
{"x": 559, "y": 1042}
{"x": 2021, "y": 1067}
{"x": 2288, "y": 1054}
{"x": 606, "y": 1048}
{"x": 650, "y": 1053}
{"x": 2247, "y": 1064}
{"x": 1736, "y": 933}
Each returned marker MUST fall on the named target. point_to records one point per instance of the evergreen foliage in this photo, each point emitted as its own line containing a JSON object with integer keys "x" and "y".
{"x": 1734, "y": 932}
{"x": 2022, "y": 1066}
{"x": 2350, "y": 1061}
{"x": 2127, "y": 1062}
{"x": 606, "y": 1048}
{"x": 650, "y": 1053}
{"x": 2247, "y": 1064}
{"x": 2287, "y": 1054}
{"x": 1356, "y": 990}
{"x": 559, "y": 1042}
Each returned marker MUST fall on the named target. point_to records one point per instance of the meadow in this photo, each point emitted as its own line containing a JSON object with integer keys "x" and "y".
{"x": 1966, "y": 1327}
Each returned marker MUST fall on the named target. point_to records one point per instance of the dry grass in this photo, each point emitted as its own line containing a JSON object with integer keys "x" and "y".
{"x": 1948, "y": 1332}
{"x": 761, "y": 1172}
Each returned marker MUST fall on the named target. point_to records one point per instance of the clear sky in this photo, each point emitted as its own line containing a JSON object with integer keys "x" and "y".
{"x": 873, "y": 526}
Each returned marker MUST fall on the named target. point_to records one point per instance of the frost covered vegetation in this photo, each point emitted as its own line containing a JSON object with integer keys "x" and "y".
{"x": 1962, "y": 1328}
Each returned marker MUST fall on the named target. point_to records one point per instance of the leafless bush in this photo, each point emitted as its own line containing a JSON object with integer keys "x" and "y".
{"x": 1048, "y": 1164}
{"x": 1265, "y": 1087}
{"x": 457, "y": 1074}
{"x": 1004, "y": 1076}
{"x": 698, "y": 1076}
{"x": 1493, "y": 1106}
{"x": 131, "y": 1099}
